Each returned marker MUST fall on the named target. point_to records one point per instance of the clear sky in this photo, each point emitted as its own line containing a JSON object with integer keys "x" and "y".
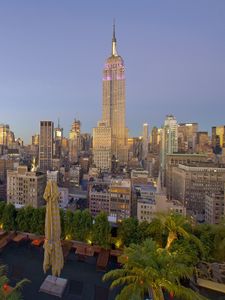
{"x": 52, "y": 54}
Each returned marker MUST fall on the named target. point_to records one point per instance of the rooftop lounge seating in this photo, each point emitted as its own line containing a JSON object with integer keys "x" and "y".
{"x": 66, "y": 247}
{"x": 102, "y": 260}
{"x": 6, "y": 239}
{"x": 19, "y": 238}
{"x": 83, "y": 251}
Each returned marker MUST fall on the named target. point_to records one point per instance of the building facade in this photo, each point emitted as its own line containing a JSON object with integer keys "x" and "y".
{"x": 187, "y": 137}
{"x": 218, "y": 136}
{"x": 214, "y": 208}
{"x": 192, "y": 182}
{"x": 102, "y": 146}
{"x": 46, "y": 145}
{"x": 112, "y": 196}
{"x": 169, "y": 142}
{"x": 25, "y": 188}
{"x": 74, "y": 141}
{"x": 145, "y": 141}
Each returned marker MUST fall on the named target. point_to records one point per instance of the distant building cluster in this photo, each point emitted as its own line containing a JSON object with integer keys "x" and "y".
{"x": 175, "y": 168}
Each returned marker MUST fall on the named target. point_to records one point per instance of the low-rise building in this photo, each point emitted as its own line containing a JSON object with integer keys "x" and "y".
{"x": 120, "y": 198}
{"x": 139, "y": 176}
{"x": 146, "y": 209}
{"x": 25, "y": 188}
{"x": 112, "y": 196}
{"x": 99, "y": 197}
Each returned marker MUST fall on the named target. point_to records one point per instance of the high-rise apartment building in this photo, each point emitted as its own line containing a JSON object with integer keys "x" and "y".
{"x": 102, "y": 146}
{"x": 46, "y": 145}
{"x": 114, "y": 102}
{"x": 25, "y": 188}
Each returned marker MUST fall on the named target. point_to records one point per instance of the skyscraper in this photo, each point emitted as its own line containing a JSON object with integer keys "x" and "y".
{"x": 58, "y": 136}
{"x": 187, "y": 135}
{"x": 6, "y": 136}
{"x": 114, "y": 102}
{"x": 169, "y": 142}
{"x": 218, "y": 138}
{"x": 102, "y": 145}
{"x": 145, "y": 141}
{"x": 74, "y": 141}
{"x": 46, "y": 145}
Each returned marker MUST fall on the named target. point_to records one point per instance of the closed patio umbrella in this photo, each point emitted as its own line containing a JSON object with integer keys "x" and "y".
{"x": 53, "y": 255}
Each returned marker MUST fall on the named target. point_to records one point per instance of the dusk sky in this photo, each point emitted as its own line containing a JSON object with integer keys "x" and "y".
{"x": 52, "y": 55}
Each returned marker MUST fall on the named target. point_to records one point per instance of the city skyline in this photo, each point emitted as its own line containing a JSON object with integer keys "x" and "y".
{"x": 50, "y": 52}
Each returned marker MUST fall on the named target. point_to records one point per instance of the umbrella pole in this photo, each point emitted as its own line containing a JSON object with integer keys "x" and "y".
{"x": 53, "y": 276}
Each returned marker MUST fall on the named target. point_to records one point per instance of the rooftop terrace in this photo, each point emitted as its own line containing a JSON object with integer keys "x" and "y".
{"x": 25, "y": 261}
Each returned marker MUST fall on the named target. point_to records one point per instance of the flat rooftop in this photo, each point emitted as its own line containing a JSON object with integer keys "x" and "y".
{"x": 84, "y": 282}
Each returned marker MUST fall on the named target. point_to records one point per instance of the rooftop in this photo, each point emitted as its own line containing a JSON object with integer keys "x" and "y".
{"x": 25, "y": 261}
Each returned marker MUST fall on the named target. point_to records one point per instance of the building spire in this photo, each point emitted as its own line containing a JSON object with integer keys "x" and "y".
{"x": 114, "y": 51}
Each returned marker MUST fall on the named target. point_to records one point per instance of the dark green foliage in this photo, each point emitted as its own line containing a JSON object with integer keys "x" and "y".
{"x": 188, "y": 250}
{"x": 82, "y": 225}
{"x": 24, "y": 219}
{"x": 62, "y": 220}
{"x": 86, "y": 225}
{"x": 76, "y": 225}
{"x": 69, "y": 229}
{"x": 101, "y": 231}
{"x": 206, "y": 235}
{"x": 157, "y": 232}
{"x": 38, "y": 221}
{"x": 9, "y": 217}
{"x": 2, "y": 207}
{"x": 219, "y": 242}
{"x": 143, "y": 231}
{"x": 128, "y": 231}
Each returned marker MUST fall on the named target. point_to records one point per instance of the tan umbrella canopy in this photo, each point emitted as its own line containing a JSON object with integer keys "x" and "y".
{"x": 53, "y": 255}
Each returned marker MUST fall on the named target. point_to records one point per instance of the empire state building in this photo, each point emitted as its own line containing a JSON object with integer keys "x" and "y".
{"x": 114, "y": 105}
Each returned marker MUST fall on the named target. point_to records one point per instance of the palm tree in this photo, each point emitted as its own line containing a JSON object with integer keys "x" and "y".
{"x": 152, "y": 270}
{"x": 176, "y": 225}
{"x": 6, "y": 292}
